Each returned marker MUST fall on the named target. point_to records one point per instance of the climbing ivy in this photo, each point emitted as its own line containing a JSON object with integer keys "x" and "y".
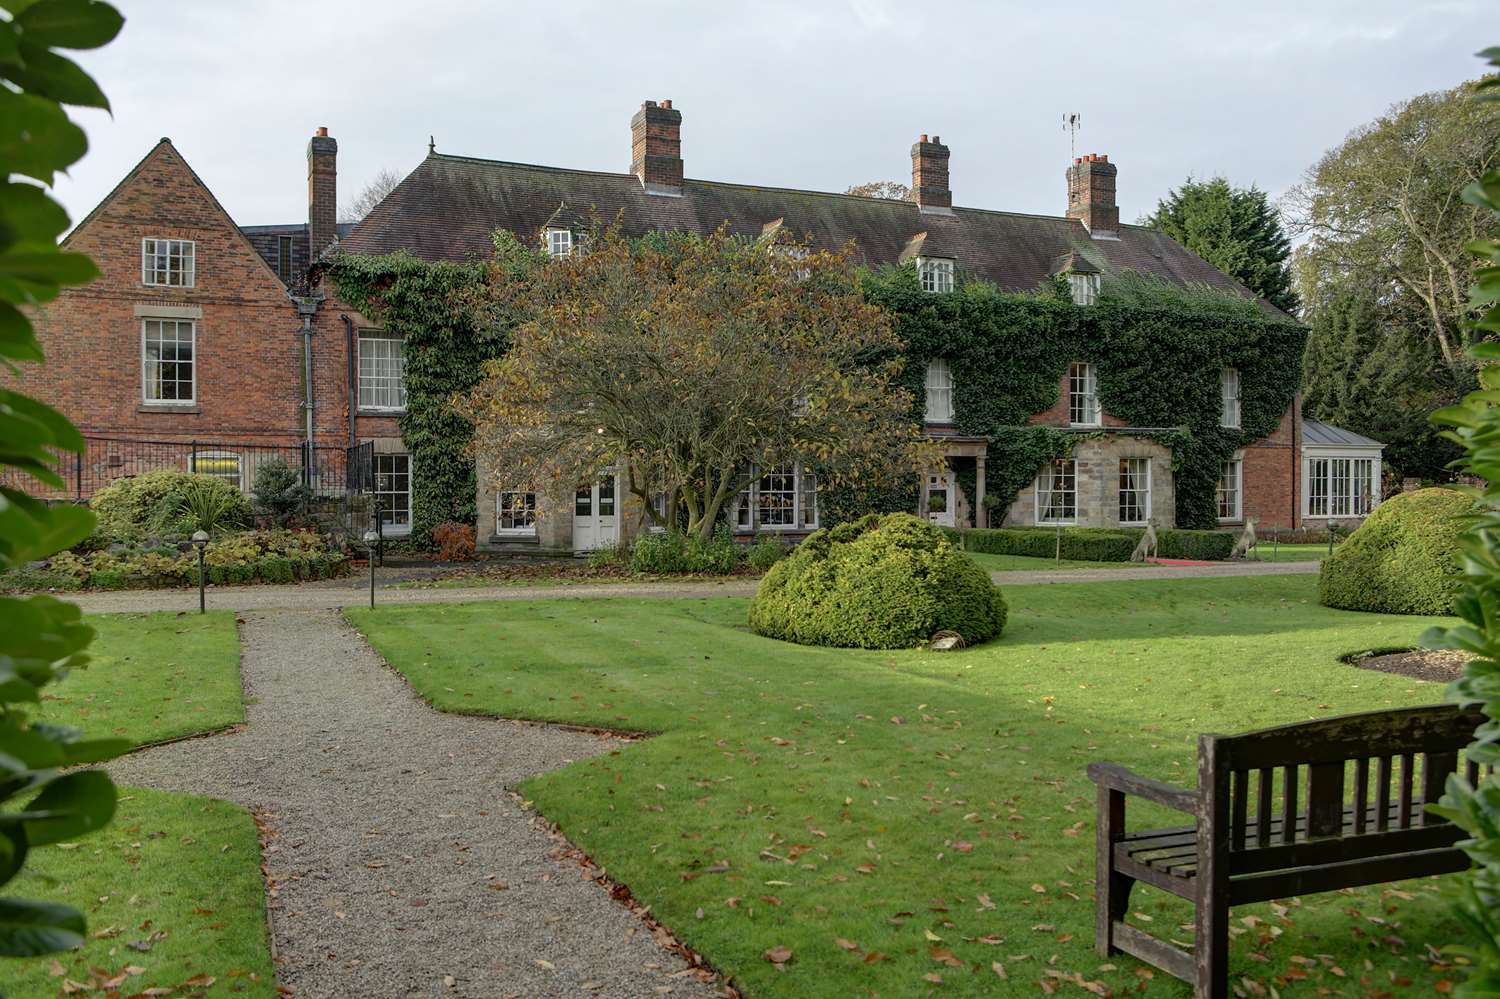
{"x": 431, "y": 306}
{"x": 1158, "y": 351}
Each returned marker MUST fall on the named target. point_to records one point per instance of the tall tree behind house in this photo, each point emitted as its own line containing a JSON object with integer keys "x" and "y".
{"x": 1234, "y": 228}
{"x": 1385, "y": 225}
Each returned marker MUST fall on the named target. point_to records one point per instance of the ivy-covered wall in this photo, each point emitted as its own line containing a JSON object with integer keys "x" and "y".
{"x": 429, "y": 304}
{"x": 1158, "y": 351}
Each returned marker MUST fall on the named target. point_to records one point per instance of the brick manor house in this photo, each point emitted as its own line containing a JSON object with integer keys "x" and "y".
{"x": 207, "y": 345}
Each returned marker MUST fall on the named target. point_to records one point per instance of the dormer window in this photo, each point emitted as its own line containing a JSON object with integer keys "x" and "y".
{"x": 939, "y": 391}
{"x": 1083, "y": 395}
{"x": 559, "y": 242}
{"x": 936, "y": 273}
{"x": 1085, "y": 288}
{"x": 168, "y": 262}
{"x": 1229, "y": 395}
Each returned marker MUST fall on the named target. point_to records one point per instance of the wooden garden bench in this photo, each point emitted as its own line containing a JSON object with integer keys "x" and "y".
{"x": 1244, "y": 847}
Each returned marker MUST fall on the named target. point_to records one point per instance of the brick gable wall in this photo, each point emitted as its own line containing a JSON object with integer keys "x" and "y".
{"x": 248, "y": 345}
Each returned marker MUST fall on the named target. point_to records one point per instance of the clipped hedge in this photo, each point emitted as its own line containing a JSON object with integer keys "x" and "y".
{"x": 278, "y": 556}
{"x": 1097, "y": 544}
{"x": 879, "y": 583}
{"x": 1404, "y": 559}
{"x": 146, "y": 505}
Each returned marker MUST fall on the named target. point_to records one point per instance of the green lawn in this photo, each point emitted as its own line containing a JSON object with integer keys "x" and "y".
{"x": 153, "y": 677}
{"x": 171, "y": 888}
{"x": 1266, "y": 552}
{"x": 898, "y": 818}
{"x": 1017, "y": 563}
{"x": 173, "y": 896}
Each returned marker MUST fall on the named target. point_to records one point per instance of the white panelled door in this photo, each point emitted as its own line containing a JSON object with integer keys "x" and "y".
{"x": 596, "y": 515}
{"x": 941, "y": 499}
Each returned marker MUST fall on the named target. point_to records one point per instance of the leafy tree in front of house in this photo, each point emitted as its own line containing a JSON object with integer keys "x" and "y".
{"x": 688, "y": 361}
{"x": 44, "y": 798}
{"x": 1234, "y": 228}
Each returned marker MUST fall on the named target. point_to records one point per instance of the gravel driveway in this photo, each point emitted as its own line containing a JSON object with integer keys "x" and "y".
{"x": 401, "y": 865}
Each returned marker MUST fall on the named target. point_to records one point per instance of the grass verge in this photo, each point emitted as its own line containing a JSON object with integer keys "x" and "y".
{"x": 153, "y": 677}
{"x": 905, "y": 823}
{"x": 174, "y": 900}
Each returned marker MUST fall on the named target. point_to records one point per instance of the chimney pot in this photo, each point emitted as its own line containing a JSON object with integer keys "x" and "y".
{"x": 929, "y": 174}
{"x": 1091, "y": 194}
{"x": 656, "y": 148}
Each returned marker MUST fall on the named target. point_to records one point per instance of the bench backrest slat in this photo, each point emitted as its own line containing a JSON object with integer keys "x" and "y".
{"x": 1328, "y": 752}
{"x": 1431, "y": 728}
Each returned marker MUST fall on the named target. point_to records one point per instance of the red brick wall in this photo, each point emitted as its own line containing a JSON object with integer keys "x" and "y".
{"x": 1272, "y": 472}
{"x": 331, "y": 376}
{"x": 248, "y": 345}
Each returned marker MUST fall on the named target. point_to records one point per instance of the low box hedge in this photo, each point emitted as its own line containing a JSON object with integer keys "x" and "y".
{"x": 273, "y": 556}
{"x": 1097, "y": 544}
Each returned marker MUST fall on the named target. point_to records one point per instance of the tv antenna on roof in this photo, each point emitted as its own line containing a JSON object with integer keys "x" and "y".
{"x": 1071, "y": 124}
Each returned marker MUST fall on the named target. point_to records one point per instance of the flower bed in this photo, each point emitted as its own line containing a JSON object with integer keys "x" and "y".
{"x": 272, "y": 556}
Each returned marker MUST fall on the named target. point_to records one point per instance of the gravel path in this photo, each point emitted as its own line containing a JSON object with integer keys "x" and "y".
{"x": 347, "y": 592}
{"x": 399, "y": 858}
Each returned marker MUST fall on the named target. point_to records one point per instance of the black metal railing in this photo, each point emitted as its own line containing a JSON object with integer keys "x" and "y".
{"x": 328, "y": 470}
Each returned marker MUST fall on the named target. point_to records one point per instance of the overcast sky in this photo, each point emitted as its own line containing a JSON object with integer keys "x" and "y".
{"x": 814, "y": 93}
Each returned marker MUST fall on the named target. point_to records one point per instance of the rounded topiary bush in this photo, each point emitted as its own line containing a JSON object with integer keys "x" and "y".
{"x": 1404, "y": 559}
{"x": 878, "y": 583}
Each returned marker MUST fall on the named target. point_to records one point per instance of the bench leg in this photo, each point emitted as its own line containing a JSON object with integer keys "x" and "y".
{"x": 1112, "y": 889}
{"x": 1211, "y": 946}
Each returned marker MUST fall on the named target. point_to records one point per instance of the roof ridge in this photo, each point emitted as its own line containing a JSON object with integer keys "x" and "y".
{"x": 773, "y": 188}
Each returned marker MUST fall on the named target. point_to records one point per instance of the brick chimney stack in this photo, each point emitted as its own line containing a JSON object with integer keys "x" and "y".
{"x": 1091, "y": 195}
{"x": 322, "y": 191}
{"x": 656, "y": 148}
{"x": 929, "y": 175}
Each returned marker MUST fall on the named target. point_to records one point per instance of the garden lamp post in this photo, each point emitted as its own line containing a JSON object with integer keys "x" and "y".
{"x": 200, "y": 542}
{"x": 372, "y": 538}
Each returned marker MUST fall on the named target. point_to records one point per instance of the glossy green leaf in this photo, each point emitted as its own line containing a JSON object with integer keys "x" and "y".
{"x": 70, "y": 24}
{"x": 48, "y": 74}
{"x": 37, "y": 139}
{"x": 31, "y": 929}
{"x": 75, "y": 804}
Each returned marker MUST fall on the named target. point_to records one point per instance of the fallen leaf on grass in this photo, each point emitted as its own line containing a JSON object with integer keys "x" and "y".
{"x": 846, "y": 944}
{"x": 779, "y": 956}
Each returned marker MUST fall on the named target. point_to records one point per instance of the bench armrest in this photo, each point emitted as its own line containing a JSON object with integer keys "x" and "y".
{"x": 1117, "y": 778}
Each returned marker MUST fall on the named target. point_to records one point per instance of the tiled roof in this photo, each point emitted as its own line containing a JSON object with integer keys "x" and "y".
{"x": 1317, "y": 432}
{"x": 447, "y": 208}
{"x": 267, "y": 242}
